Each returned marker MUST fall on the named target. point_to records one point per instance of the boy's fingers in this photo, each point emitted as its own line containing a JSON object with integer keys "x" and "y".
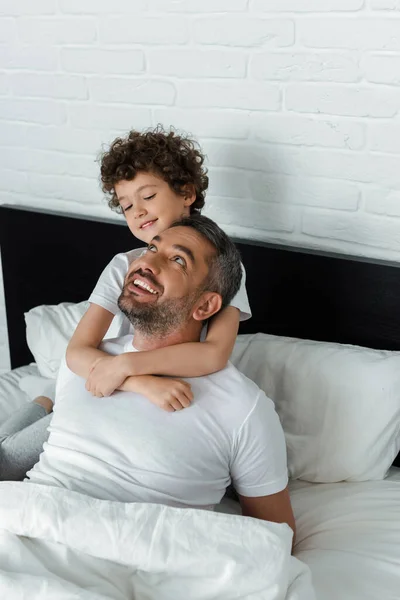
{"x": 176, "y": 404}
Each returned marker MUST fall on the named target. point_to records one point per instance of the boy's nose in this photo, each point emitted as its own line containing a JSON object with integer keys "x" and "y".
{"x": 138, "y": 210}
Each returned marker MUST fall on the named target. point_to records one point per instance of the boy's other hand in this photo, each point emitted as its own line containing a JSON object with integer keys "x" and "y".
{"x": 106, "y": 375}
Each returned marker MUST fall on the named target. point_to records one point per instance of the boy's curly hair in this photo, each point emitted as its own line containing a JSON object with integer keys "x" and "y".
{"x": 176, "y": 159}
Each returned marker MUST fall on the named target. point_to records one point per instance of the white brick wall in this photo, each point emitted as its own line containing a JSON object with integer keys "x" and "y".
{"x": 295, "y": 102}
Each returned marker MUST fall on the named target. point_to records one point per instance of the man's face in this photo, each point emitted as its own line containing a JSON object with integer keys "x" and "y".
{"x": 162, "y": 287}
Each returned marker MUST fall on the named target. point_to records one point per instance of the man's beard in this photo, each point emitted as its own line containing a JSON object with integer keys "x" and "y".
{"x": 157, "y": 320}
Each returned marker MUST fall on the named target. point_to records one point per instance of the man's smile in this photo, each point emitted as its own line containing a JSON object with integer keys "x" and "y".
{"x": 143, "y": 285}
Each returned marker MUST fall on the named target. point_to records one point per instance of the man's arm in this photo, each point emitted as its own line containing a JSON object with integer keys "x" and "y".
{"x": 276, "y": 508}
{"x": 259, "y": 465}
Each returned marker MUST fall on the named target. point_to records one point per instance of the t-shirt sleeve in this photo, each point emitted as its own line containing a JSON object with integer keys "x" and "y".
{"x": 241, "y": 300}
{"x": 111, "y": 281}
{"x": 259, "y": 463}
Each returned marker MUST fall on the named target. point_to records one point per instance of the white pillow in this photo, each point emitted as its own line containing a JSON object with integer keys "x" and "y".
{"x": 339, "y": 405}
{"x": 49, "y": 329}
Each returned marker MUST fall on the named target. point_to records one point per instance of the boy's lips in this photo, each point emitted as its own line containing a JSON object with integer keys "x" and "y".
{"x": 148, "y": 224}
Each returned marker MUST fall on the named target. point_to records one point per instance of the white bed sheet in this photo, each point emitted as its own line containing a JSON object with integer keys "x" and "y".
{"x": 349, "y": 535}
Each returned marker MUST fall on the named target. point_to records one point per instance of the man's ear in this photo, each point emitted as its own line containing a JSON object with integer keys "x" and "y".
{"x": 208, "y": 304}
{"x": 189, "y": 193}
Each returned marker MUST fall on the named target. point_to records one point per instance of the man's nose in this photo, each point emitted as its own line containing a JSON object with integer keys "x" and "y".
{"x": 151, "y": 261}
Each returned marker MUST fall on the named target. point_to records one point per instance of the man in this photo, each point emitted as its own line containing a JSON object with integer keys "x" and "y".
{"x": 125, "y": 448}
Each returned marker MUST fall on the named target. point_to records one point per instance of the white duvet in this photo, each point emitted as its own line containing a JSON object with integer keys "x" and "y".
{"x": 59, "y": 544}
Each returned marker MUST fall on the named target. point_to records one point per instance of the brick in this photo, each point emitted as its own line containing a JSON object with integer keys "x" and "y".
{"x": 195, "y": 63}
{"x": 100, "y": 7}
{"x": 273, "y": 217}
{"x": 64, "y": 139}
{"x": 27, "y": 7}
{"x": 13, "y": 134}
{"x": 43, "y": 85}
{"x": 102, "y": 61}
{"x": 382, "y": 201}
{"x": 304, "y": 131}
{"x": 357, "y": 101}
{"x": 251, "y": 96}
{"x": 360, "y": 34}
{"x": 56, "y": 30}
{"x": 132, "y": 91}
{"x": 102, "y": 117}
{"x": 5, "y": 87}
{"x": 384, "y": 4}
{"x": 305, "y": 5}
{"x": 29, "y": 57}
{"x": 356, "y": 228}
{"x": 246, "y": 156}
{"x": 205, "y": 123}
{"x": 228, "y": 183}
{"x": 13, "y": 181}
{"x": 385, "y": 137}
{"x": 77, "y": 189}
{"x": 7, "y": 31}
{"x": 305, "y": 191}
{"x": 332, "y": 164}
{"x": 198, "y": 6}
{"x": 133, "y": 29}
{"x": 47, "y": 112}
{"x": 380, "y": 68}
{"x": 305, "y": 66}
{"x": 243, "y": 31}
{"x": 56, "y": 163}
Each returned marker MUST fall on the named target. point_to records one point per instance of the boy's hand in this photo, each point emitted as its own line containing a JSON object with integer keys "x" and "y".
{"x": 106, "y": 375}
{"x": 167, "y": 393}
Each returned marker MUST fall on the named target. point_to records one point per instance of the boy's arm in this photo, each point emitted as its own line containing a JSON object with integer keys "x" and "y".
{"x": 192, "y": 359}
{"x": 82, "y": 350}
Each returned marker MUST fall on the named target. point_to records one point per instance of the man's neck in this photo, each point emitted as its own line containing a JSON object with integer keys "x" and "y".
{"x": 189, "y": 333}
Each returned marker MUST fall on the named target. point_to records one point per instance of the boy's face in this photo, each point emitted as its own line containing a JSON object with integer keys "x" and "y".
{"x": 149, "y": 204}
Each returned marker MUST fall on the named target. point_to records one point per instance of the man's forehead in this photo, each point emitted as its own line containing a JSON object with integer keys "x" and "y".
{"x": 187, "y": 237}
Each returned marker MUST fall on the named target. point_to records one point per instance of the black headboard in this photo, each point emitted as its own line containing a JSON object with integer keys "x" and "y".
{"x": 50, "y": 258}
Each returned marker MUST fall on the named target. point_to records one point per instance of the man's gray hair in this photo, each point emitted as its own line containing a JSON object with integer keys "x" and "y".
{"x": 225, "y": 269}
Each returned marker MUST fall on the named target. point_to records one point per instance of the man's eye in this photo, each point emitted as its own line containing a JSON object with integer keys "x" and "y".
{"x": 149, "y": 197}
{"x": 151, "y": 248}
{"x": 180, "y": 260}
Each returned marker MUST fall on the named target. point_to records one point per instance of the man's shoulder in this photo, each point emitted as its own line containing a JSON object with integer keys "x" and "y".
{"x": 231, "y": 386}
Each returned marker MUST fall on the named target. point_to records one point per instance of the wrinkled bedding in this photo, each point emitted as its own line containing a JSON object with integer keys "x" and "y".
{"x": 59, "y": 544}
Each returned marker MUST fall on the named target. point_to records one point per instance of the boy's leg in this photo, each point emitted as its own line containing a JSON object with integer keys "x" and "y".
{"x": 22, "y": 437}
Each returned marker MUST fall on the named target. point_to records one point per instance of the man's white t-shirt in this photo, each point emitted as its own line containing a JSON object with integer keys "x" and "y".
{"x": 109, "y": 287}
{"x": 127, "y": 449}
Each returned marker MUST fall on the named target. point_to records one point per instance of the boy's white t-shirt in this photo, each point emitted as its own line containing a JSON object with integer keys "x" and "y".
{"x": 125, "y": 448}
{"x": 111, "y": 281}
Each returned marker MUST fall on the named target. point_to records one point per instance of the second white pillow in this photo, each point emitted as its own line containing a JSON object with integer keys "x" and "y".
{"x": 339, "y": 405}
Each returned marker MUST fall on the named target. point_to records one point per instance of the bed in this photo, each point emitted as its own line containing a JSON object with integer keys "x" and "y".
{"x": 322, "y": 308}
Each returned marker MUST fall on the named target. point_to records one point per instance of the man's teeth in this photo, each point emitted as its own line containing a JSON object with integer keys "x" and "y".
{"x": 144, "y": 285}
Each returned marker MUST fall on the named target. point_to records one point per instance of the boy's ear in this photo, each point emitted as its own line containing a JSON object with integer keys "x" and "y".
{"x": 189, "y": 193}
{"x": 208, "y": 305}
